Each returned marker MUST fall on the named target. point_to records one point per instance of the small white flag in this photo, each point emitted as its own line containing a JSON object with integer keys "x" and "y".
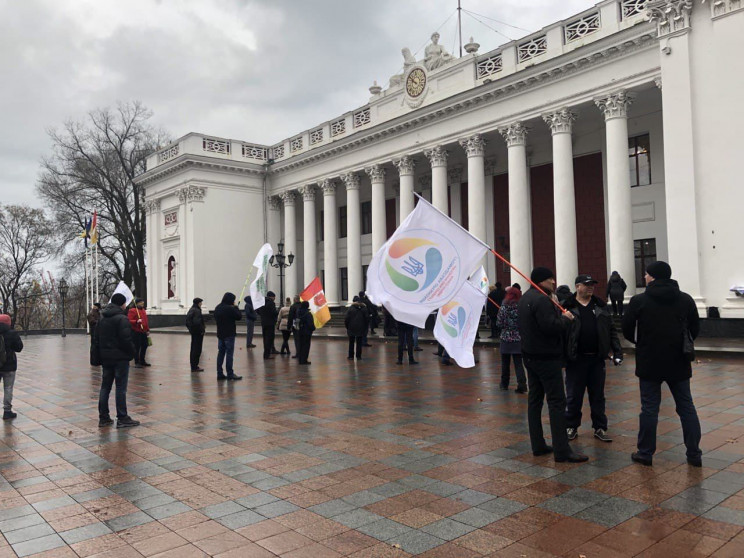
{"x": 122, "y": 288}
{"x": 258, "y": 288}
{"x": 457, "y": 323}
{"x": 480, "y": 280}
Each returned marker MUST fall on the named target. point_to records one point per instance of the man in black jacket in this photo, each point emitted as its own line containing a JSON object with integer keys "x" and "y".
{"x": 541, "y": 327}
{"x": 591, "y": 338}
{"x": 293, "y": 310}
{"x": 196, "y": 327}
{"x": 657, "y": 321}
{"x": 356, "y": 322}
{"x": 304, "y": 332}
{"x": 11, "y": 344}
{"x": 250, "y": 322}
{"x": 496, "y": 296}
{"x": 268, "y": 313}
{"x": 113, "y": 341}
{"x": 616, "y": 292}
{"x": 226, "y": 314}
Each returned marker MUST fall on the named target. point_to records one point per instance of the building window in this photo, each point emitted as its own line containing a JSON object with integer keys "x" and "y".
{"x": 342, "y": 221}
{"x": 321, "y": 232}
{"x": 367, "y": 217}
{"x": 364, "y": 277}
{"x": 639, "y": 151}
{"x": 343, "y": 273}
{"x": 645, "y": 254}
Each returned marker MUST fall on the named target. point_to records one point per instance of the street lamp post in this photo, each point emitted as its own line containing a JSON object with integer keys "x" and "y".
{"x": 63, "y": 288}
{"x": 281, "y": 262}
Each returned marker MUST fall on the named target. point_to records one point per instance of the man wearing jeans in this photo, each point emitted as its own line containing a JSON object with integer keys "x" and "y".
{"x": 113, "y": 341}
{"x": 657, "y": 321}
{"x": 226, "y": 314}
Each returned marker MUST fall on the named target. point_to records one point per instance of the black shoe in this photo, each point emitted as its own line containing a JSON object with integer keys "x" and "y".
{"x": 197, "y": 369}
{"x": 127, "y": 422}
{"x": 350, "y": 358}
{"x": 138, "y": 365}
{"x": 447, "y": 363}
{"x": 601, "y": 434}
{"x": 572, "y": 457}
{"x": 251, "y": 346}
{"x": 417, "y": 349}
{"x": 545, "y": 451}
{"x": 521, "y": 389}
{"x": 9, "y": 415}
{"x": 413, "y": 362}
{"x": 638, "y": 458}
{"x": 366, "y": 345}
{"x": 504, "y": 388}
{"x": 235, "y": 377}
{"x": 437, "y": 353}
{"x": 294, "y": 356}
{"x": 146, "y": 364}
{"x": 105, "y": 422}
{"x": 572, "y": 433}
{"x": 221, "y": 377}
{"x": 274, "y": 352}
{"x": 695, "y": 461}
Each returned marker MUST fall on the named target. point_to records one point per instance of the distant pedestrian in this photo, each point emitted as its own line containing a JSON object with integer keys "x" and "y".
{"x": 405, "y": 341}
{"x": 510, "y": 343}
{"x": 250, "y": 322}
{"x": 389, "y": 324}
{"x": 197, "y": 328}
{"x": 141, "y": 331}
{"x": 663, "y": 322}
{"x": 296, "y": 304}
{"x": 541, "y": 329}
{"x": 10, "y": 344}
{"x": 371, "y": 311}
{"x": 591, "y": 338}
{"x": 283, "y": 326}
{"x": 616, "y": 288}
{"x": 496, "y": 294}
{"x": 356, "y": 322}
{"x": 114, "y": 345}
{"x": 269, "y": 314}
{"x": 93, "y": 317}
{"x": 563, "y": 293}
{"x": 226, "y": 315}
{"x": 517, "y": 286}
{"x": 305, "y": 331}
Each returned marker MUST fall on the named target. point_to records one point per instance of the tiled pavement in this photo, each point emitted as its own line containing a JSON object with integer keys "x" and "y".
{"x": 340, "y": 458}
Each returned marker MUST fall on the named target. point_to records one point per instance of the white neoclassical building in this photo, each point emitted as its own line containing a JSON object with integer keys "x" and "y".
{"x": 599, "y": 143}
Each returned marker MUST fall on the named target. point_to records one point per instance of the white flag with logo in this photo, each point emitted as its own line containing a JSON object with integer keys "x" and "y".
{"x": 480, "y": 280}
{"x": 122, "y": 288}
{"x": 423, "y": 265}
{"x": 457, "y": 323}
{"x": 258, "y": 288}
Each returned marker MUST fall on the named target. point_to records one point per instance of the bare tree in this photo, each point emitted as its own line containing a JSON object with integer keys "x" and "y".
{"x": 27, "y": 239}
{"x": 93, "y": 166}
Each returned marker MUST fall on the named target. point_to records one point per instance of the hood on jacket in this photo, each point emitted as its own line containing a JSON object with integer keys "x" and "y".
{"x": 664, "y": 291}
{"x": 111, "y": 310}
{"x": 571, "y": 302}
{"x": 228, "y": 299}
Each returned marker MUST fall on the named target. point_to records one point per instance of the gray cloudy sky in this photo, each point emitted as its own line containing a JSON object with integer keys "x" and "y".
{"x": 253, "y": 70}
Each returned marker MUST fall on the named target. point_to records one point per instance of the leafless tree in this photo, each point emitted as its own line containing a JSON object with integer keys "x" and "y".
{"x": 92, "y": 167}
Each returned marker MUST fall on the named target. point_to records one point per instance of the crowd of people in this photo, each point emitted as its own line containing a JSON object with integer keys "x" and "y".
{"x": 562, "y": 338}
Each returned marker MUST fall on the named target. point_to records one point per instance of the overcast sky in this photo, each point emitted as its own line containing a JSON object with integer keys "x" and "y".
{"x": 255, "y": 71}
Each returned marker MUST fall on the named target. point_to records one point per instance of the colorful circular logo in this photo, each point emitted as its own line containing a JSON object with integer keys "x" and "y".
{"x": 453, "y": 318}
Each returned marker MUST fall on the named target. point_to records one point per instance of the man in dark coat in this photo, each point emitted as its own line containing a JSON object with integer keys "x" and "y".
{"x": 541, "y": 329}
{"x": 250, "y": 322}
{"x": 296, "y": 305}
{"x": 356, "y": 322}
{"x": 113, "y": 341}
{"x": 11, "y": 344}
{"x": 591, "y": 338}
{"x": 305, "y": 331}
{"x": 405, "y": 341}
{"x": 657, "y": 321}
{"x": 269, "y": 314}
{"x": 196, "y": 327}
{"x": 616, "y": 292}
{"x": 496, "y": 297}
{"x": 93, "y": 317}
{"x": 226, "y": 315}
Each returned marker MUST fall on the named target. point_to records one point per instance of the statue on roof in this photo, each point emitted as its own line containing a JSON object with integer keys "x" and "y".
{"x": 408, "y": 61}
{"x": 435, "y": 55}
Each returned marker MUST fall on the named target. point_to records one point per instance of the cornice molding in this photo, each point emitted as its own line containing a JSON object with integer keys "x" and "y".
{"x": 188, "y": 161}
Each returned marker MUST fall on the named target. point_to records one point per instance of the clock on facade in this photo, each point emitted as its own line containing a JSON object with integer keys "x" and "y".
{"x": 416, "y": 82}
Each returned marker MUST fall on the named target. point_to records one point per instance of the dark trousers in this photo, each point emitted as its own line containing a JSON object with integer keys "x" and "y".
{"x": 296, "y": 338}
{"x": 114, "y": 372}
{"x": 304, "y": 348}
{"x": 494, "y": 327}
{"x": 440, "y": 349}
{"x": 546, "y": 382}
{"x": 268, "y": 340}
{"x": 359, "y": 342}
{"x": 249, "y": 327}
{"x": 197, "y": 339}
{"x": 405, "y": 340}
{"x": 617, "y": 305}
{"x": 518, "y": 370}
{"x": 588, "y": 374}
{"x": 225, "y": 350}
{"x": 650, "y": 402}
{"x": 140, "y": 346}
{"x": 285, "y": 341}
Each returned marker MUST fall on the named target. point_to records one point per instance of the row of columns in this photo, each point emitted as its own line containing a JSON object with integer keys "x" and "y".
{"x": 614, "y": 108}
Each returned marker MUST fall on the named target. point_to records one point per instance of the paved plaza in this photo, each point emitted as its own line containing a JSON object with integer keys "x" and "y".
{"x": 344, "y": 458}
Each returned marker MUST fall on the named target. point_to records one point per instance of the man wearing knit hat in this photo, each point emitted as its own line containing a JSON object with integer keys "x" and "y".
{"x": 10, "y": 344}
{"x": 662, "y": 322}
{"x": 541, "y": 328}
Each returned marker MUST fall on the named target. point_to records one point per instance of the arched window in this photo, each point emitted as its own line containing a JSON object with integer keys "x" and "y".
{"x": 172, "y": 277}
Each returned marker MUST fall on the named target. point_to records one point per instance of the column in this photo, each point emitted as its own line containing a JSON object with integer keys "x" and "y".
{"x": 379, "y": 221}
{"x": 520, "y": 218}
{"x": 405, "y": 166}
{"x": 454, "y": 182}
{"x": 475, "y": 147}
{"x": 353, "y": 233}
{"x": 330, "y": 241}
{"x": 564, "y": 198}
{"x": 309, "y": 238}
{"x": 153, "y": 252}
{"x": 438, "y": 158}
{"x": 619, "y": 207}
{"x": 290, "y": 243}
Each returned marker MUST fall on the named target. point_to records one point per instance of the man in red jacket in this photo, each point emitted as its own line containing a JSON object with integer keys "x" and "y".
{"x": 140, "y": 332}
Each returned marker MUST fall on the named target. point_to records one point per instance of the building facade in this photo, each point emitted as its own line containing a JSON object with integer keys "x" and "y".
{"x": 599, "y": 143}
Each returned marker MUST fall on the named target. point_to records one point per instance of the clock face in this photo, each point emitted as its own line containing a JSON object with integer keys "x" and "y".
{"x": 416, "y": 82}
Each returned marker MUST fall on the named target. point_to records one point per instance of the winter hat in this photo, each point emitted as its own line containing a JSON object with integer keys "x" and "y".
{"x": 4, "y": 319}
{"x": 118, "y": 299}
{"x": 659, "y": 270}
{"x": 355, "y": 299}
{"x": 198, "y": 300}
{"x": 270, "y": 294}
{"x": 138, "y": 300}
{"x": 540, "y": 274}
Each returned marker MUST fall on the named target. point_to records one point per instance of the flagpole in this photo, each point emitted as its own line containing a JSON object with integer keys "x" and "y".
{"x": 98, "y": 292}
{"x": 87, "y": 300}
{"x": 247, "y": 279}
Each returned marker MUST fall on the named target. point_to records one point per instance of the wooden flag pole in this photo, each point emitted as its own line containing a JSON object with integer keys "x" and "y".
{"x": 507, "y": 262}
